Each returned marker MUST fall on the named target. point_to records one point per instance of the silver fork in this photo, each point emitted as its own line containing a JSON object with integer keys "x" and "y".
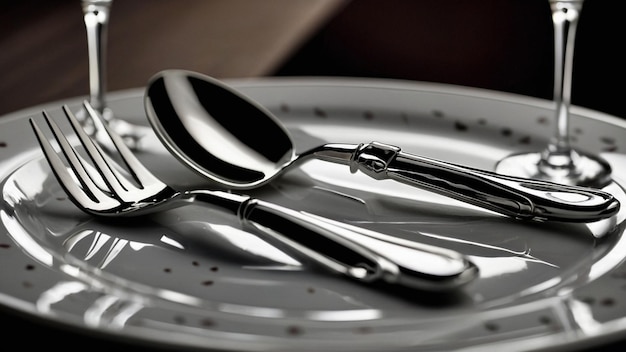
{"x": 358, "y": 253}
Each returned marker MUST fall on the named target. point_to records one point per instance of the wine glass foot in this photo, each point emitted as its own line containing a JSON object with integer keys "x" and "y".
{"x": 132, "y": 134}
{"x": 575, "y": 168}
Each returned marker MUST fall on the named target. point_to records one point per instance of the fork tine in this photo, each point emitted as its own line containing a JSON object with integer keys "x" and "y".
{"x": 111, "y": 177}
{"x": 139, "y": 172}
{"x": 87, "y": 195}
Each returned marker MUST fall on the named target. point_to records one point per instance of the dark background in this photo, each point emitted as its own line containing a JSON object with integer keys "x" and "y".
{"x": 502, "y": 45}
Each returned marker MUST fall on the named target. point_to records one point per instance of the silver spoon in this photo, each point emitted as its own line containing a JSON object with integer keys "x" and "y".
{"x": 236, "y": 142}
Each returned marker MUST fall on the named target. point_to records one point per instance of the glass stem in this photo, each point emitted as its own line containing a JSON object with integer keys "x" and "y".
{"x": 565, "y": 16}
{"x": 96, "y": 16}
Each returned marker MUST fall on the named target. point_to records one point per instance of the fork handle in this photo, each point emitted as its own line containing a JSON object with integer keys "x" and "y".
{"x": 361, "y": 254}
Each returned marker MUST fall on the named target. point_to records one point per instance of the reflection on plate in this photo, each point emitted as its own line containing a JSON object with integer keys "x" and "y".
{"x": 192, "y": 277}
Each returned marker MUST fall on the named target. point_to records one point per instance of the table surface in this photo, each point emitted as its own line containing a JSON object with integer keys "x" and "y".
{"x": 44, "y": 59}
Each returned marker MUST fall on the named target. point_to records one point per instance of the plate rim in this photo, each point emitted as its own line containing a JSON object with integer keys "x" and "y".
{"x": 343, "y": 82}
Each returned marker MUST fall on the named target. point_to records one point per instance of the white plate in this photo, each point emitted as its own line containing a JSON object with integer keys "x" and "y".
{"x": 192, "y": 277}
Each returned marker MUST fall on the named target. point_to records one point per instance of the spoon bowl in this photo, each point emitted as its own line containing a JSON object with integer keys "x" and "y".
{"x": 216, "y": 131}
{"x": 237, "y": 143}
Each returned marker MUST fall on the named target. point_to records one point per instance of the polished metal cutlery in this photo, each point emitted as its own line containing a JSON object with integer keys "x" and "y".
{"x": 229, "y": 138}
{"x": 361, "y": 254}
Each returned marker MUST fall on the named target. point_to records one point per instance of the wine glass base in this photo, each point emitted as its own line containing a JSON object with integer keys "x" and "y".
{"x": 132, "y": 134}
{"x": 586, "y": 170}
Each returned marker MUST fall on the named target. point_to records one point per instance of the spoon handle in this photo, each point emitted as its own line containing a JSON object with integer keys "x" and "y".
{"x": 361, "y": 254}
{"x": 513, "y": 196}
